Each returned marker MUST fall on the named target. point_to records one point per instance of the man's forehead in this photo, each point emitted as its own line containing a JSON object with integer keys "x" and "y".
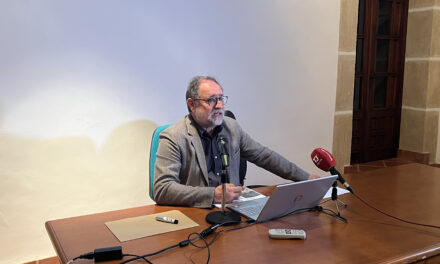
{"x": 208, "y": 88}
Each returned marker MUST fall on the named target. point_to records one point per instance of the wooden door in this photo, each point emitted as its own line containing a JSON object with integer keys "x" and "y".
{"x": 380, "y": 58}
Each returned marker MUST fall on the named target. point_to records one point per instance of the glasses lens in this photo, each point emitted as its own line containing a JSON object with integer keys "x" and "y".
{"x": 224, "y": 99}
{"x": 211, "y": 101}
{"x": 214, "y": 100}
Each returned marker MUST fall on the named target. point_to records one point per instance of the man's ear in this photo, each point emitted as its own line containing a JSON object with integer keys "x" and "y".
{"x": 191, "y": 104}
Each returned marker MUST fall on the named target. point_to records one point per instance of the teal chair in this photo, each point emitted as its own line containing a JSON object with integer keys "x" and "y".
{"x": 153, "y": 149}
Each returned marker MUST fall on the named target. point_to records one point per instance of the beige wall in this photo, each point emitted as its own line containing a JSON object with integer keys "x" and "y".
{"x": 46, "y": 179}
{"x": 344, "y": 92}
{"x": 82, "y": 91}
{"x": 419, "y": 130}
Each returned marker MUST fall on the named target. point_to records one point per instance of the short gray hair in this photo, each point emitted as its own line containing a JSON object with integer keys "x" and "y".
{"x": 193, "y": 87}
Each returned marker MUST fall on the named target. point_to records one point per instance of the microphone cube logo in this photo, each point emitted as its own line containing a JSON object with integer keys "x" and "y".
{"x": 316, "y": 160}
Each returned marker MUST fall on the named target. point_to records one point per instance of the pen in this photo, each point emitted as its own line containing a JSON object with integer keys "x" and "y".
{"x": 167, "y": 219}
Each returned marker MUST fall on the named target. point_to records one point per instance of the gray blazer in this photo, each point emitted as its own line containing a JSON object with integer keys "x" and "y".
{"x": 181, "y": 176}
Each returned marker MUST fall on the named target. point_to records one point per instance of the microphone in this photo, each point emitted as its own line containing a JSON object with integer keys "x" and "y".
{"x": 326, "y": 162}
{"x": 223, "y": 150}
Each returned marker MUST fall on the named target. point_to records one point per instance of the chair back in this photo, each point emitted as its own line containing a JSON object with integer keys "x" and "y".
{"x": 153, "y": 149}
{"x": 243, "y": 162}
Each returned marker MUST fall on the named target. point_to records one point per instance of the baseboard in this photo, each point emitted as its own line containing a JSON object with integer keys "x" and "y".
{"x": 418, "y": 157}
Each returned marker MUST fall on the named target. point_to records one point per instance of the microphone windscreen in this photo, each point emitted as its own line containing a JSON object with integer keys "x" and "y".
{"x": 229, "y": 114}
{"x": 323, "y": 159}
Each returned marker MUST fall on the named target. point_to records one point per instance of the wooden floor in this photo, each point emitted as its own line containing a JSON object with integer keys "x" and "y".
{"x": 379, "y": 164}
{"x": 356, "y": 168}
{"x": 375, "y": 165}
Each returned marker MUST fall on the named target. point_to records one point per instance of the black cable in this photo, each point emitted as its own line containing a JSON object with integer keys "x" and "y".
{"x": 216, "y": 235}
{"x": 394, "y": 217}
{"x": 90, "y": 255}
{"x": 294, "y": 212}
{"x": 331, "y": 213}
{"x": 151, "y": 254}
{"x": 238, "y": 227}
{"x": 183, "y": 243}
{"x": 204, "y": 240}
{"x": 385, "y": 213}
{"x": 207, "y": 244}
{"x": 140, "y": 257}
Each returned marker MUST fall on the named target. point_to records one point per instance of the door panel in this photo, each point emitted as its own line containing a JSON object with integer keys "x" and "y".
{"x": 378, "y": 82}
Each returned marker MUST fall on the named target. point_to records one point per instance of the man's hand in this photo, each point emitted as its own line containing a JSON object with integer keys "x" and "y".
{"x": 232, "y": 193}
{"x": 314, "y": 176}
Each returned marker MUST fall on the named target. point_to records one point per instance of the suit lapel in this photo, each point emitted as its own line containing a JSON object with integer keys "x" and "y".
{"x": 199, "y": 152}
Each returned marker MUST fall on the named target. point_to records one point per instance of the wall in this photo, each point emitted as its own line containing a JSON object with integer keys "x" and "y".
{"x": 343, "y": 119}
{"x": 84, "y": 83}
{"x": 420, "y": 122}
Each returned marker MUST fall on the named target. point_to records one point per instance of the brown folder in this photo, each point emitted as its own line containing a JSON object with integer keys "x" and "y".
{"x": 147, "y": 225}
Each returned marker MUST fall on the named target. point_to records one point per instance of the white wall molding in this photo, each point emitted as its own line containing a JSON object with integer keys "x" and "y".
{"x": 347, "y": 53}
{"x": 424, "y": 9}
{"x": 408, "y": 59}
{"x": 420, "y": 109}
{"x": 347, "y": 112}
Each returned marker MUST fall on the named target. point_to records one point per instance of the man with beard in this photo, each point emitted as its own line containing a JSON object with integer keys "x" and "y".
{"x": 188, "y": 165}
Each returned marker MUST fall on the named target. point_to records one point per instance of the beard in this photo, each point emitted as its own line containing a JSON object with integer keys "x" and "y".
{"x": 216, "y": 120}
{"x": 212, "y": 120}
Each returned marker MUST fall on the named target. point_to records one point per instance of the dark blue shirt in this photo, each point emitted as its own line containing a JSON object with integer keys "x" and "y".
{"x": 212, "y": 156}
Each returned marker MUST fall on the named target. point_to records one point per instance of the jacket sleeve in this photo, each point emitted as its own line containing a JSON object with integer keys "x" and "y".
{"x": 268, "y": 159}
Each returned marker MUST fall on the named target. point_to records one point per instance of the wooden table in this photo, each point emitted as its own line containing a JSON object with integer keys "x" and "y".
{"x": 409, "y": 191}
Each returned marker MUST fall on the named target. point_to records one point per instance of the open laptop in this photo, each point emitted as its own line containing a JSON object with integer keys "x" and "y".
{"x": 285, "y": 199}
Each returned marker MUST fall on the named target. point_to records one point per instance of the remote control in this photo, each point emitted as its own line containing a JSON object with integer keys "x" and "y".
{"x": 287, "y": 234}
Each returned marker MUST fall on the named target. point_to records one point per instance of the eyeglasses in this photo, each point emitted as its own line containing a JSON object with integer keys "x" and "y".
{"x": 212, "y": 101}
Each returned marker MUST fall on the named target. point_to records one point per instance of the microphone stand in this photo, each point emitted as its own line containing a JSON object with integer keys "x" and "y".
{"x": 223, "y": 217}
{"x": 224, "y": 174}
{"x": 336, "y": 200}
{"x": 333, "y": 171}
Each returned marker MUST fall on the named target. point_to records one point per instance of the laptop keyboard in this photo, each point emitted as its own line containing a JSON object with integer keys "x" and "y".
{"x": 250, "y": 208}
